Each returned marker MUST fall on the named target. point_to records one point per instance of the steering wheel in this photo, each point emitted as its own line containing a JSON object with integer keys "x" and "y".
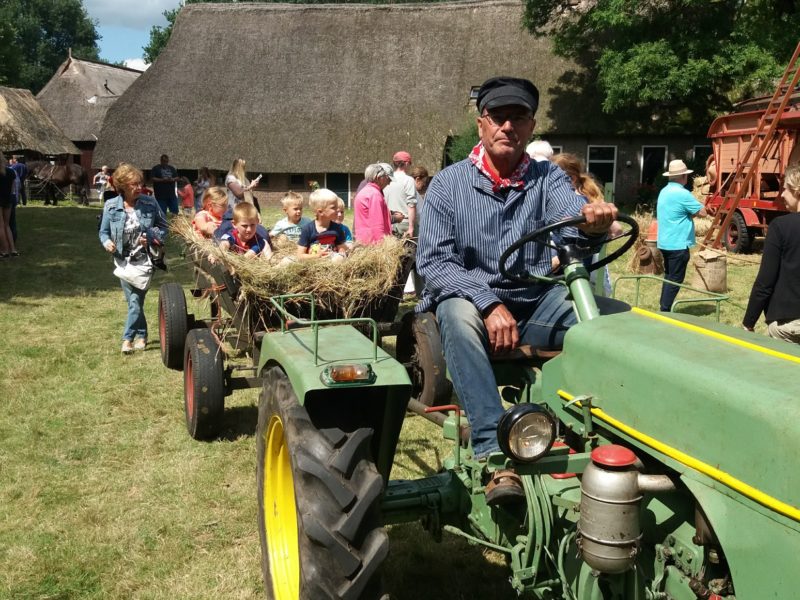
{"x": 587, "y": 247}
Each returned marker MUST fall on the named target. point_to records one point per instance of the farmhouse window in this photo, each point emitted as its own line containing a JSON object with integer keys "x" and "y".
{"x": 602, "y": 163}
{"x": 297, "y": 181}
{"x": 652, "y": 163}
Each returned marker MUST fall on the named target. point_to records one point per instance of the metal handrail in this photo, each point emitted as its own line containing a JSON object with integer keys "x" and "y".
{"x": 712, "y": 296}
{"x": 279, "y": 302}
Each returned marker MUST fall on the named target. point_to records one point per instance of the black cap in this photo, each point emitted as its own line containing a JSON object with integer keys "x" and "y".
{"x": 507, "y": 91}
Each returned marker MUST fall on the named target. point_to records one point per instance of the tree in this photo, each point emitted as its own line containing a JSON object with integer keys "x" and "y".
{"x": 159, "y": 36}
{"x": 670, "y": 65}
{"x": 41, "y": 33}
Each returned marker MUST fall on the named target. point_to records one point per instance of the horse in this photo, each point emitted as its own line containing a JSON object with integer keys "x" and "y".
{"x": 60, "y": 177}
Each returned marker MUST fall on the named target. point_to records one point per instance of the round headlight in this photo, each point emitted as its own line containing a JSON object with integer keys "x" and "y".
{"x": 526, "y": 432}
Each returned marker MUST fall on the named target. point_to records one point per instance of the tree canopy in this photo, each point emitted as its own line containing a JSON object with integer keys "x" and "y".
{"x": 671, "y": 64}
{"x": 35, "y": 36}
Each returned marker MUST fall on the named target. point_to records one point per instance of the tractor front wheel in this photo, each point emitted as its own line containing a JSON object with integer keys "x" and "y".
{"x": 318, "y": 497}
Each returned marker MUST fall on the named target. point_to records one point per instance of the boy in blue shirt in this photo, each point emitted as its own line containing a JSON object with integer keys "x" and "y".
{"x": 322, "y": 237}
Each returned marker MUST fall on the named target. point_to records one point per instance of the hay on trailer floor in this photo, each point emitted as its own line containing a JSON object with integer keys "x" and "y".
{"x": 368, "y": 274}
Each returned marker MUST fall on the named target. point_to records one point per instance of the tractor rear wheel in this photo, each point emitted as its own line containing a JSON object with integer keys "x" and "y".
{"x": 738, "y": 238}
{"x": 173, "y": 324}
{"x": 419, "y": 345}
{"x": 318, "y": 498}
{"x": 203, "y": 384}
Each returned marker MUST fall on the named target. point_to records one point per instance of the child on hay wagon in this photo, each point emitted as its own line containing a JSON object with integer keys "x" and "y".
{"x": 322, "y": 238}
{"x": 339, "y": 218}
{"x": 215, "y": 203}
{"x": 246, "y": 235}
{"x": 294, "y": 221}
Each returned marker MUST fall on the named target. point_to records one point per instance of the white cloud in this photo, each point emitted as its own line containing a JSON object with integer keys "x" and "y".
{"x": 136, "y": 63}
{"x": 142, "y": 14}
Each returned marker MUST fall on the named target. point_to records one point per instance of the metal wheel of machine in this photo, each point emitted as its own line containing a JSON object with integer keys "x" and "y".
{"x": 738, "y": 238}
{"x": 173, "y": 324}
{"x": 203, "y": 384}
{"x": 318, "y": 496}
{"x": 420, "y": 346}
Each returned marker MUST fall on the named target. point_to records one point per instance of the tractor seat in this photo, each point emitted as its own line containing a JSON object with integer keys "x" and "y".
{"x": 526, "y": 354}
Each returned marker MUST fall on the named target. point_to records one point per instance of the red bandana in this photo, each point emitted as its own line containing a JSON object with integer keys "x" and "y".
{"x": 513, "y": 181}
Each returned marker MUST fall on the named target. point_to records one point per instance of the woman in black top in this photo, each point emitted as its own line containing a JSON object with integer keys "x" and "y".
{"x": 776, "y": 291}
{"x": 7, "y": 180}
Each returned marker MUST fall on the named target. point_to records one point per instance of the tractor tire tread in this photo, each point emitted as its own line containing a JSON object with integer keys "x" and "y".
{"x": 337, "y": 491}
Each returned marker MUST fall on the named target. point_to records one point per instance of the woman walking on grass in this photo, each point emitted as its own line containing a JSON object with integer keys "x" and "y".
{"x": 7, "y": 181}
{"x": 132, "y": 224}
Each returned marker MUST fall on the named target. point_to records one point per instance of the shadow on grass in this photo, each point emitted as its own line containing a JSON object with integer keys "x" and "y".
{"x": 697, "y": 310}
{"x": 239, "y": 422}
{"x": 61, "y": 256}
{"x": 453, "y": 568}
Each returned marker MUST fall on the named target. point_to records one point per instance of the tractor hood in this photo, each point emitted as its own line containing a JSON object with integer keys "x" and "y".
{"x": 720, "y": 395}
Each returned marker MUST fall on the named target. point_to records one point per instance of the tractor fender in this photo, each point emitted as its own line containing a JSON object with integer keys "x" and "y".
{"x": 379, "y": 405}
{"x": 293, "y": 351}
{"x": 760, "y": 546}
{"x": 750, "y": 216}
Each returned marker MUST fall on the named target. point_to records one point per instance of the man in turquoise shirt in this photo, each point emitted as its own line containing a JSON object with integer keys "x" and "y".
{"x": 675, "y": 210}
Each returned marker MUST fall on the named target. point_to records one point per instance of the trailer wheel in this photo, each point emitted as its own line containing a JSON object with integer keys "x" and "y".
{"x": 738, "y": 238}
{"x": 318, "y": 497}
{"x": 203, "y": 384}
{"x": 173, "y": 324}
{"x": 419, "y": 345}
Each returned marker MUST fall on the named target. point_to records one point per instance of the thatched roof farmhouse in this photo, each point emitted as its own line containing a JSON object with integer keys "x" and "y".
{"x": 26, "y": 127}
{"x": 78, "y": 96}
{"x": 320, "y": 91}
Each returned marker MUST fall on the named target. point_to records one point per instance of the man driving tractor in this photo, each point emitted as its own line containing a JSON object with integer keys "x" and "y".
{"x": 473, "y": 211}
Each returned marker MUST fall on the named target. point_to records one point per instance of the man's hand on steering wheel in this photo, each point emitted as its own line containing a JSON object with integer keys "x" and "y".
{"x": 501, "y": 327}
{"x": 599, "y": 217}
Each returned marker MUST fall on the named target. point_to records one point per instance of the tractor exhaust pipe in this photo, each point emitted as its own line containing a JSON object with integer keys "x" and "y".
{"x": 611, "y": 495}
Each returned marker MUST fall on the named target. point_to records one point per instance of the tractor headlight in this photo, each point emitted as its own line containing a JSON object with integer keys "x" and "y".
{"x": 526, "y": 432}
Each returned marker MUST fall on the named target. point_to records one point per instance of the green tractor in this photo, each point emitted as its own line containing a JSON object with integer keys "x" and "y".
{"x": 652, "y": 451}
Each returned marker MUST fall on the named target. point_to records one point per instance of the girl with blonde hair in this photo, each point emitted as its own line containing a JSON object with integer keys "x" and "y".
{"x": 239, "y": 187}
{"x": 215, "y": 203}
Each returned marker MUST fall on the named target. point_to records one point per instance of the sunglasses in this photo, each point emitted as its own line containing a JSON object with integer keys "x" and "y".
{"x": 500, "y": 117}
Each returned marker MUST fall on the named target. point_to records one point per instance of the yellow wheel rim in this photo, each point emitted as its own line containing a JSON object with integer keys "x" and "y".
{"x": 280, "y": 515}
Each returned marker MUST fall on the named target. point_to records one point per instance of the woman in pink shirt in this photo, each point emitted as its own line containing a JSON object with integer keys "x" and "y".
{"x": 371, "y": 215}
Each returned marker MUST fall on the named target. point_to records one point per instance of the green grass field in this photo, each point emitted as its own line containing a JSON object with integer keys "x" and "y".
{"x": 104, "y": 495}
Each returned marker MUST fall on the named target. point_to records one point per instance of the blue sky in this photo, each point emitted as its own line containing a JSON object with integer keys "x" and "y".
{"x": 125, "y": 26}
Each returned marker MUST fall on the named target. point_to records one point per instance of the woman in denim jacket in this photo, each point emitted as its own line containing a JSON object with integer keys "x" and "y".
{"x": 131, "y": 223}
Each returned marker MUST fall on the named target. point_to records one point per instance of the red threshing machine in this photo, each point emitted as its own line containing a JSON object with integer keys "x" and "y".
{"x": 751, "y": 149}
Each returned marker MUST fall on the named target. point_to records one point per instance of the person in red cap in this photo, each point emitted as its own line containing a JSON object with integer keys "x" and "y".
{"x": 401, "y": 196}
{"x": 473, "y": 211}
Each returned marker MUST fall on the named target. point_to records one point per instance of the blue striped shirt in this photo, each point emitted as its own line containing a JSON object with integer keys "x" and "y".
{"x": 465, "y": 227}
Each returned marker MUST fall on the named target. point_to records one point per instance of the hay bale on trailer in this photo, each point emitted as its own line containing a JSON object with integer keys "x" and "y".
{"x": 368, "y": 283}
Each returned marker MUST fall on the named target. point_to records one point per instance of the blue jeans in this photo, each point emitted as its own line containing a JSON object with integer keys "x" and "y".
{"x": 170, "y": 202}
{"x": 136, "y": 323}
{"x": 675, "y": 262}
{"x": 466, "y": 351}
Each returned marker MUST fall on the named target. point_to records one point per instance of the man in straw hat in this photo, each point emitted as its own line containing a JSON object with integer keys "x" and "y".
{"x": 675, "y": 210}
{"x": 473, "y": 211}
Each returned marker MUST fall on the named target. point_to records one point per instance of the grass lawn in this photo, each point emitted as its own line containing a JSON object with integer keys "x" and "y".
{"x": 104, "y": 495}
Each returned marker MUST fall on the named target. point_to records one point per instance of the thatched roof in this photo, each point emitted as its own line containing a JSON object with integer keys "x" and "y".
{"x": 24, "y": 125}
{"x": 80, "y": 93}
{"x": 320, "y": 88}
